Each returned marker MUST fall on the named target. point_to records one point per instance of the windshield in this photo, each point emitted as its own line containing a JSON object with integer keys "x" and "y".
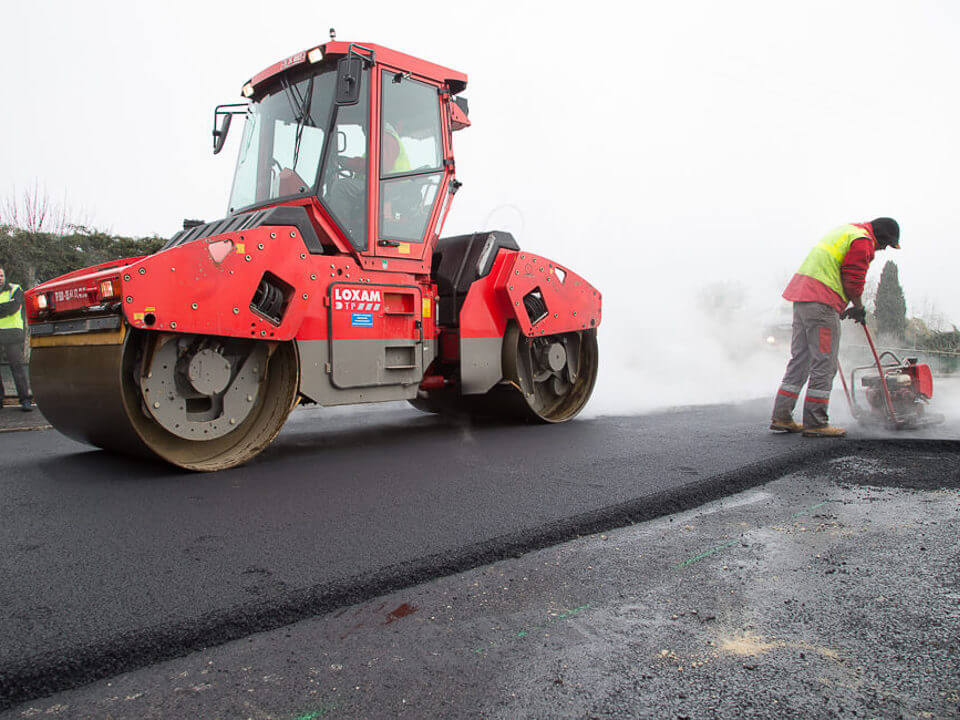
{"x": 283, "y": 141}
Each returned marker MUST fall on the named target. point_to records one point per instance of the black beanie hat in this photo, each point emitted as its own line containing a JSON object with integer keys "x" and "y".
{"x": 887, "y": 232}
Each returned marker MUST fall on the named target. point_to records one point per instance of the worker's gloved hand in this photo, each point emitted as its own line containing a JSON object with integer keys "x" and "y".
{"x": 857, "y": 314}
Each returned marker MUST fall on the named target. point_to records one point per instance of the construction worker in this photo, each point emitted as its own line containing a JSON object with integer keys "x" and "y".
{"x": 11, "y": 337}
{"x": 831, "y": 277}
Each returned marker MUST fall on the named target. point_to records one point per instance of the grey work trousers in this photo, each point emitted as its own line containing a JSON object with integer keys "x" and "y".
{"x": 14, "y": 355}
{"x": 813, "y": 350}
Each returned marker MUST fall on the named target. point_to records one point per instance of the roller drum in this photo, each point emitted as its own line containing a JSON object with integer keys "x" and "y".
{"x": 94, "y": 393}
{"x": 79, "y": 389}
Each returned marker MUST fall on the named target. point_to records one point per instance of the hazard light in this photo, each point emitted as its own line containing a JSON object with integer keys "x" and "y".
{"x": 110, "y": 288}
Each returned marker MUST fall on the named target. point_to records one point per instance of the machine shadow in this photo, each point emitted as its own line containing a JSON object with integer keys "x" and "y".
{"x": 298, "y": 440}
{"x": 384, "y": 435}
{"x": 96, "y": 464}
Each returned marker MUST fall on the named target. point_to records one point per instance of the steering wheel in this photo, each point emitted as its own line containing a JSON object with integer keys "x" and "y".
{"x": 344, "y": 170}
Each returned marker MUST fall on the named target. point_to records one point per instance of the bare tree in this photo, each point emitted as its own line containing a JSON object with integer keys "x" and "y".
{"x": 34, "y": 211}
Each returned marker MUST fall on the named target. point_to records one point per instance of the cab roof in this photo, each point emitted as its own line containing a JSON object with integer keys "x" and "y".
{"x": 456, "y": 81}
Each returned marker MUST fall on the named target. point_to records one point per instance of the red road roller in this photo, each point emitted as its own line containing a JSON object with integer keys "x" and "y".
{"x": 327, "y": 282}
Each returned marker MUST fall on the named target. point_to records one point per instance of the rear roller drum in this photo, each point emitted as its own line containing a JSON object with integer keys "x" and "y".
{"x": 553, "y": 376}
{"x": 546, "y": 379}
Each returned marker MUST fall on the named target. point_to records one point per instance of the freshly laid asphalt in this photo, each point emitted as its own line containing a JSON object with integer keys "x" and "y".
{"x": 827, "y": 593}
{"x": 111, "y": 564}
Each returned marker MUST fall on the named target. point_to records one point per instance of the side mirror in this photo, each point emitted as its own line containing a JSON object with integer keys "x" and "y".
{"x": 220, "y": 136}
{"x": 227, "y": 111}
{"x": 349, "y": 72}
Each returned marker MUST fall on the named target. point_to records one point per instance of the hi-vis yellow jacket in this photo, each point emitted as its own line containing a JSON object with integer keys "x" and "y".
{"x": 824, "y": 261}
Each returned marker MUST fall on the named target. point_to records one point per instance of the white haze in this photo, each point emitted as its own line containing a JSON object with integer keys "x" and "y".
{"x": 655, "y": 148}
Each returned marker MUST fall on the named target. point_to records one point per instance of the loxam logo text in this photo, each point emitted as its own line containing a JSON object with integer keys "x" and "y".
{"x": 356, "y": 299}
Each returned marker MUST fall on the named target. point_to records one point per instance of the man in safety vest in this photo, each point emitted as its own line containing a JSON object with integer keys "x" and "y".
{"x": 11, "y": 336}
{"x": 831, "y": 277}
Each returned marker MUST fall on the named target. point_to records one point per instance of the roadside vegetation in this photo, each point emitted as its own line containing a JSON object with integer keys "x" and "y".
{"x": 41, "y": 238}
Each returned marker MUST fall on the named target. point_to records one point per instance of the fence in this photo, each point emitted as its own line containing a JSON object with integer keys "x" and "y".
{"x": 941, "y": 362}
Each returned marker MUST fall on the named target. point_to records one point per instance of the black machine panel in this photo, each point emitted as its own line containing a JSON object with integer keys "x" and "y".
{"x": 290, "y": 215}
{"x": 460, "y": 261}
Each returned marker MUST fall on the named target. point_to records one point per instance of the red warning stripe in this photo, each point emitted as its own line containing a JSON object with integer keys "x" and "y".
{"x": 787, "y": 393}
{"x": 823, "y": 401}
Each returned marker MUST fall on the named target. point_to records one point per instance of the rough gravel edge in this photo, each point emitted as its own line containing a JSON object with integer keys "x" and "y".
{"x": 55, "y": 671}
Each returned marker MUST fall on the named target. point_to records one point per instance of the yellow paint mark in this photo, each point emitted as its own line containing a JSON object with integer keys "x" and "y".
{"x": 149, "y": 309}
{"x": 240, "y": 248}
{"x": 404, "y": 249}
{"x": 427, "y": 307}
{"x": 137, "y": 316}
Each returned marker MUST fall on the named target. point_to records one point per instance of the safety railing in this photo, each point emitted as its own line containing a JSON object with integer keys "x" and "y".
{"x": 941, "y": 362}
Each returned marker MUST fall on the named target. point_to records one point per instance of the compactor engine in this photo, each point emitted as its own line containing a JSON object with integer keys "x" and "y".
{"x": 327, "y": 282}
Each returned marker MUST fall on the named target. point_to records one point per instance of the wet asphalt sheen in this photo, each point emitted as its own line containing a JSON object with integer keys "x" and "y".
{"x": 111, "y": 564}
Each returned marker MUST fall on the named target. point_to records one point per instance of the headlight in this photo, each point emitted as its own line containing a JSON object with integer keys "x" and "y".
{"x": 315, "y": 55}
{"x": 771, "y": 340}
{"x": 41, "y": 301}
{"x": 248, "y": 90}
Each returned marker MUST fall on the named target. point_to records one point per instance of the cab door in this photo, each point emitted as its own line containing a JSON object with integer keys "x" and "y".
{"x": 413, "y": 171}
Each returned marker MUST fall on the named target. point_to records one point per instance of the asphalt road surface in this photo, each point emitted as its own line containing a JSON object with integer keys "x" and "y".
{"x": 111, "y": 564}
{"x": 827, "y": 593}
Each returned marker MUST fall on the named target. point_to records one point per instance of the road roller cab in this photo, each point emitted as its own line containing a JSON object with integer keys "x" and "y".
{"x": 327, "y": 282}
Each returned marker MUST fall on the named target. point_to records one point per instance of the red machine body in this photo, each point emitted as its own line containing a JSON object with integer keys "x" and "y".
{"x": 331, "y": 252}
{"x": 897, "y": 392}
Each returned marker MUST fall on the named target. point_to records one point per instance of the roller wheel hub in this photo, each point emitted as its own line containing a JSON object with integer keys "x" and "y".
{"x": 556, "y": 357}
{"x": 201, "y": 389}
{"x": 209, "y": 372}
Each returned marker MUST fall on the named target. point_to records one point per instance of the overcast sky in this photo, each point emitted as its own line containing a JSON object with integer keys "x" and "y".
{"x": 654, "y": 147}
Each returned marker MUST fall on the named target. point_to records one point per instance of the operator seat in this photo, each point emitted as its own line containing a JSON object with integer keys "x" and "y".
{"x": 460, "y": 261}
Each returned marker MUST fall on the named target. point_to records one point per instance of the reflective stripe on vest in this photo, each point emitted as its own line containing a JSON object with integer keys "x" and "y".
{"x": 13, "y": 321}
{"x": 402, "y": 163}
{"x": 823, "y": 262}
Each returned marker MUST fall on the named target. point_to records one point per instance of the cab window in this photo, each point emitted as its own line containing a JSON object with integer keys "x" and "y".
{"x": 411, "y": 156}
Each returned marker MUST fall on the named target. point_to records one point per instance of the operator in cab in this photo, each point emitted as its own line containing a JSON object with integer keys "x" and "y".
{"x": 830, "y": 279}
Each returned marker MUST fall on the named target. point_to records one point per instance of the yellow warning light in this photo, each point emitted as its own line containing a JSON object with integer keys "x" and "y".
{"x": 427, "y": 307}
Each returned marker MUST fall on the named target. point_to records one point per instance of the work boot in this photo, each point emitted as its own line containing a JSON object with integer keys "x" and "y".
{"x": 824, "y": 431}
{"x": 787, "y": 425}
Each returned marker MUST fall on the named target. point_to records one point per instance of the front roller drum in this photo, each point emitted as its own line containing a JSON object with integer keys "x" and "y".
{"x": 202, "y": 403}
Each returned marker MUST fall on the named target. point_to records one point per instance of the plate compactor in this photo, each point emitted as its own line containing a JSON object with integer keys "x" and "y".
{"x": 896, "y": 392}
{"x": 327, "y": 283}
